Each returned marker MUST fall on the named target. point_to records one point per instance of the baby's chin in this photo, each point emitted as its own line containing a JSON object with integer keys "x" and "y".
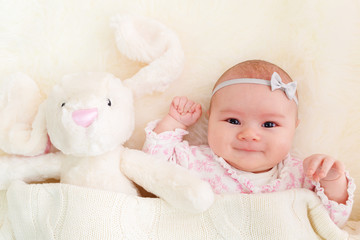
{"x": 262, "y": 171}
{"x": 252, "y": 169}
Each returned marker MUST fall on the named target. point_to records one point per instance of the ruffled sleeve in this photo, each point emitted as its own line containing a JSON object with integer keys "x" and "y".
{"x": 339, "y": 212}
{"x": 167, "y": 145}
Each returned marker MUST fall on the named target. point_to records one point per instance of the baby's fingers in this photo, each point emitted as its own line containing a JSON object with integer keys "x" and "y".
{"x": 179, "y": 102}
{"x": 311, "y": 166}
{"x": 336, "y": 170}
{"x": 182, "y": 103}
{"x": 322, "y": 167}
{"x": 326, "y": 165}
{"x": 196, "y": 107}
{"x": 188, "y": 107}
{"x": 175, "y": 102}
{"x": 196, "y": 110}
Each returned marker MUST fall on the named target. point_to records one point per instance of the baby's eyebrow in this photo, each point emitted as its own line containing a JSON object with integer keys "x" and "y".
{"x": 229, "y": 111}
{"x": 273, "y": 115}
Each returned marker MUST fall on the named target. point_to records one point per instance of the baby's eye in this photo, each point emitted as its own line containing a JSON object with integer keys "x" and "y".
{"x": 269, "y": 124}
{"x": 233, "y": 121}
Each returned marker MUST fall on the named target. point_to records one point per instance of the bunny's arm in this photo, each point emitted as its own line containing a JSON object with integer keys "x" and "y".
{"x": 172, "y": 183}
{"x": 29, "y": 169}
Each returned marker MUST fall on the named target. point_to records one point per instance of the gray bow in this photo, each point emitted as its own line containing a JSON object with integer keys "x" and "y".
{"x": 289, "y": 88}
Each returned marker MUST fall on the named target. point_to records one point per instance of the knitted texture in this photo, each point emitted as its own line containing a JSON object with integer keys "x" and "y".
{"x": 59, "y": 211}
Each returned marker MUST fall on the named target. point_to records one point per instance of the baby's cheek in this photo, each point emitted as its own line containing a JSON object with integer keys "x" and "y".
{"x": 216, "y": 146}
{"x": 283, "y": 148}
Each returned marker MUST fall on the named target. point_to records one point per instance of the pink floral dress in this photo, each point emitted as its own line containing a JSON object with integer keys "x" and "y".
{"x": 226, "y": 179}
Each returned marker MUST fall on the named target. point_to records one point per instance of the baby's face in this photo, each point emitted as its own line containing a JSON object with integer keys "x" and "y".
{"x": 251, "y": 127}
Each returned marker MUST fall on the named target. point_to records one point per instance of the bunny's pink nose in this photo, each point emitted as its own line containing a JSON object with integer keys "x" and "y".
{"x": 85, "y": 117}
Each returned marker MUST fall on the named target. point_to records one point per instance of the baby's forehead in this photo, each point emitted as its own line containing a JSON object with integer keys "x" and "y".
{"x": 255, "y": 96}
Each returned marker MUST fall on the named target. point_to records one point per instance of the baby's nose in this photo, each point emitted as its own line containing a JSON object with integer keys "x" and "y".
{"x": 85, "y": 117}
{"x": 248, "y": 134}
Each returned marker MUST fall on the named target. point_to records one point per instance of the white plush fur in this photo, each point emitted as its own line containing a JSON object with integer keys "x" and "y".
{"x": 19, "y": 101}
{"x": 315, "y": 41}
{"x": 88, "y": 117}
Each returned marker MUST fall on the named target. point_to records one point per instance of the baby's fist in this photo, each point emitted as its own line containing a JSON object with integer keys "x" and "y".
{"x": 185, "y": 111}
{"x": 322, "y": 167}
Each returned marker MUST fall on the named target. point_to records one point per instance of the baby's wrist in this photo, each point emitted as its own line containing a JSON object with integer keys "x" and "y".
{"x": 168, "y": 123}
{"x": 176, "y": 121}
{"x": 336, "y": 189}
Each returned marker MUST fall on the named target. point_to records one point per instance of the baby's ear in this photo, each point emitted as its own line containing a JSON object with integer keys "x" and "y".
{"x": 207, "y": 114}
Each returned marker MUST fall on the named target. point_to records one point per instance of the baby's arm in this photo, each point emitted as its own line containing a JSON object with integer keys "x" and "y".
{"x": 182, "y": 114}
{"x": 331, "y": 175}
{"x": 164, "y": 138}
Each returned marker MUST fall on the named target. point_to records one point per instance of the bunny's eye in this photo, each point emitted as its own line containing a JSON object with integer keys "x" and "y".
{"x": 63, "y": 104}
{"x": 109, "y": 102}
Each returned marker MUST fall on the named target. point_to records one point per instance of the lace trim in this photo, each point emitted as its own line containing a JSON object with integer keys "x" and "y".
{"x": 327, "y": 202}
{"x": 273, "y": 186}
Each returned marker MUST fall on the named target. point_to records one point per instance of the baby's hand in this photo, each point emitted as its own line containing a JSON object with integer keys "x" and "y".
{"x": 185, "y": 111}
{"x": 322, "y": 167}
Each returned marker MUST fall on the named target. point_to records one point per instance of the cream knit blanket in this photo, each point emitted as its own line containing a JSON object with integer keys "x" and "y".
{"x": 58, "y": 211}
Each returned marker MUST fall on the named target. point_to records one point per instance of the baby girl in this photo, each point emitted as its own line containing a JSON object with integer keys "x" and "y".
{"x": 252, "y": 122}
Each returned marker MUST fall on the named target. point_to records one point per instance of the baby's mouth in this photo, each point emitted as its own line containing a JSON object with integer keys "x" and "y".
{"x": 246, "y": 149}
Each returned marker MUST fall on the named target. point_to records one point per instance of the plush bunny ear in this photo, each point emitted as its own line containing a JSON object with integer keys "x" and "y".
{"x": 149, "y": 41}
{"x": 22, "y": 120}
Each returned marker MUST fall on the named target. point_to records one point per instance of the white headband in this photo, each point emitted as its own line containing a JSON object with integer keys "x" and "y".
{"x": 275, "y": 83}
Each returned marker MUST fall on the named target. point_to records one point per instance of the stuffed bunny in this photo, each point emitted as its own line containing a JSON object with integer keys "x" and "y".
{"x": 88, "y": 117}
